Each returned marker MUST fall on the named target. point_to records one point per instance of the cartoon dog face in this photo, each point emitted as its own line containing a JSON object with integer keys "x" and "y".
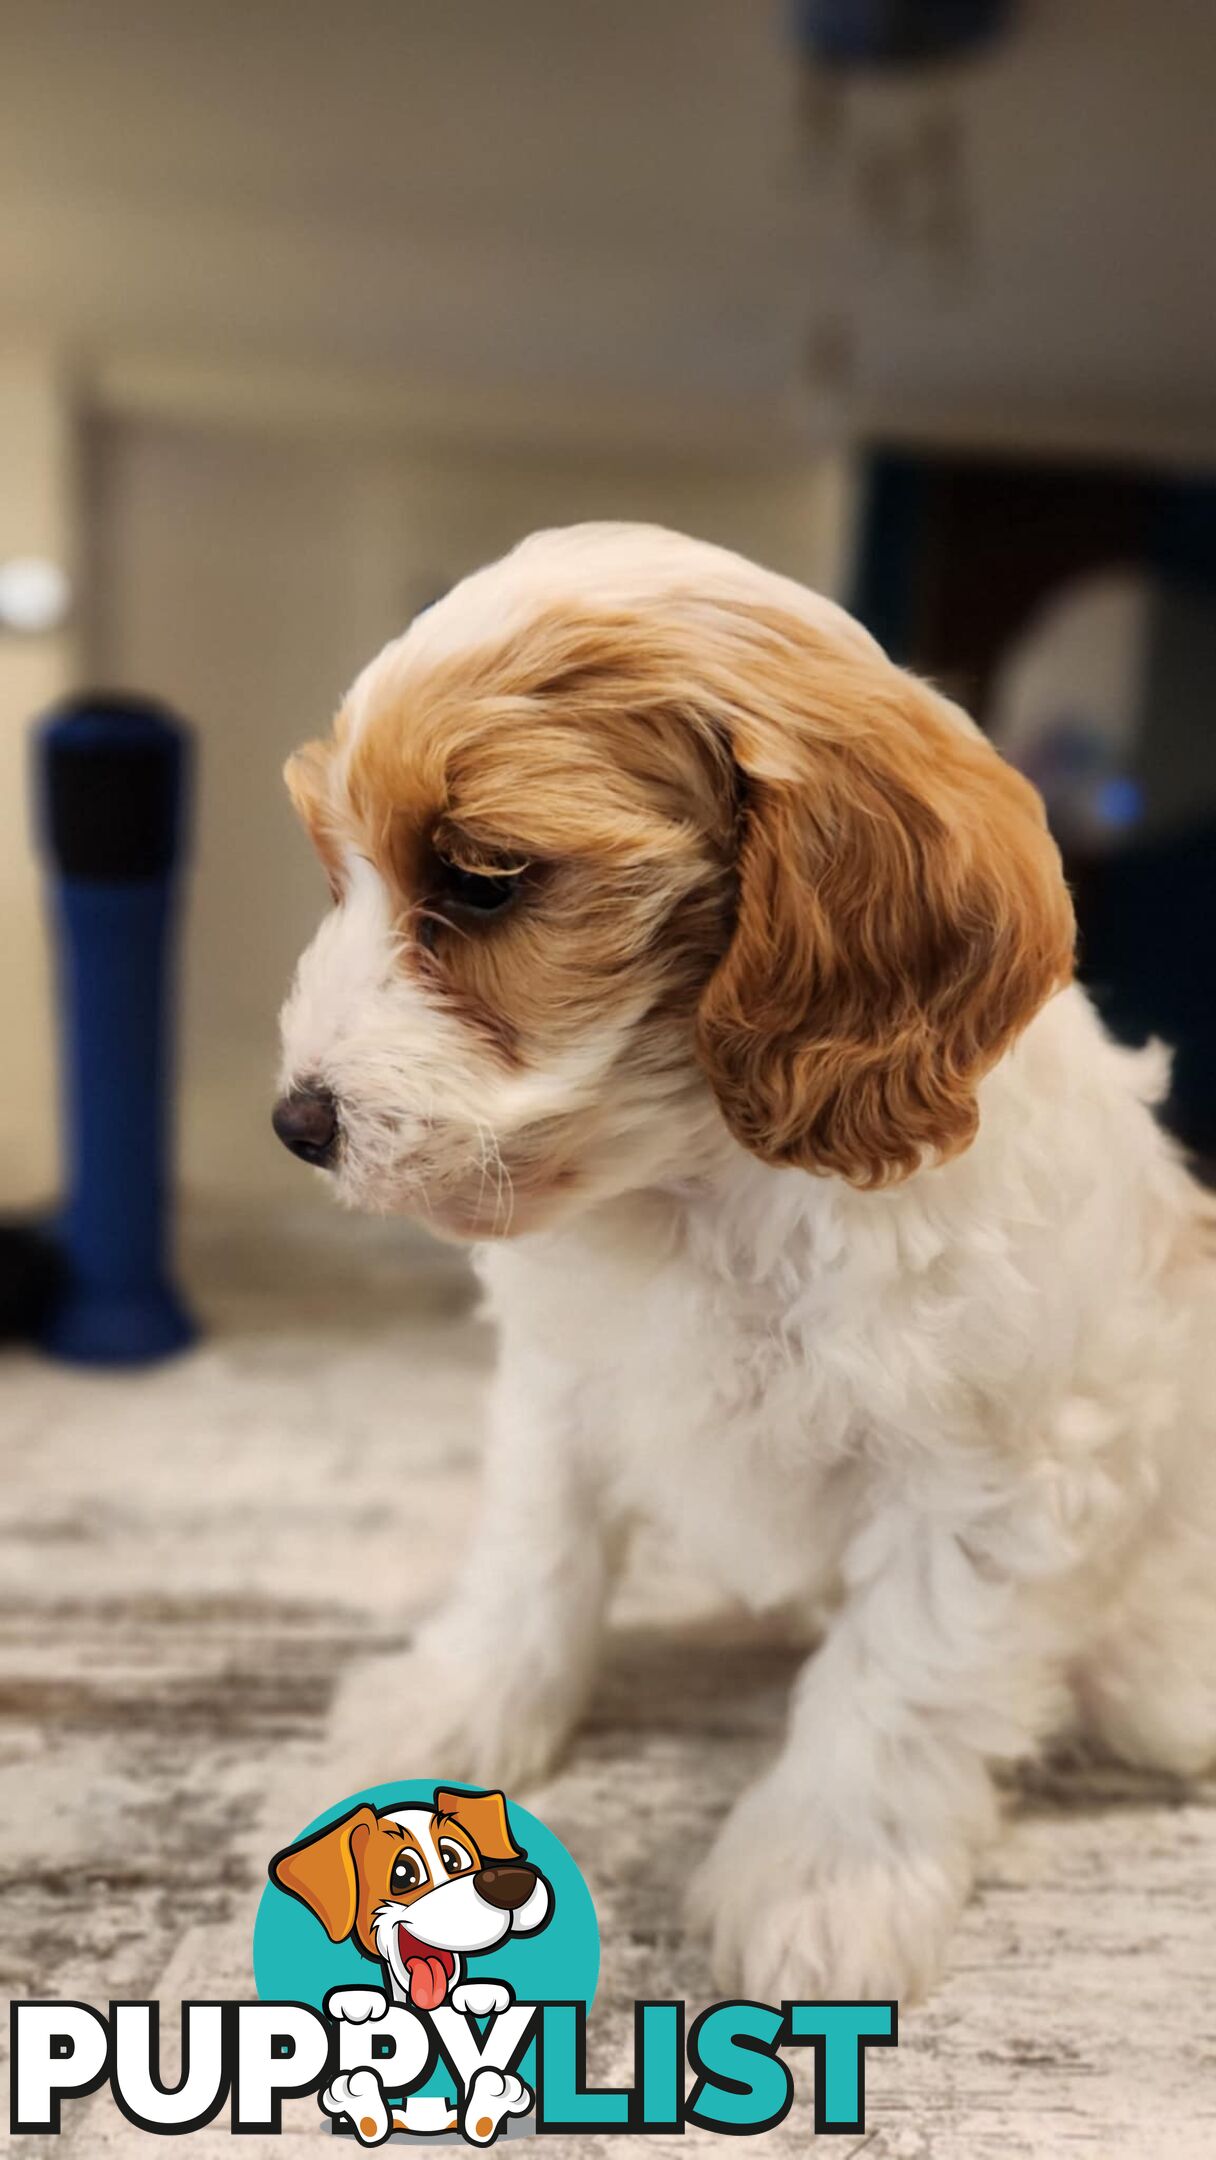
{"x": 419, "y": 1888}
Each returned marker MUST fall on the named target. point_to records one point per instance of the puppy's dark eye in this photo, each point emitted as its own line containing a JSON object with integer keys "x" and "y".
{"x": 476, "y": 892}
{"x": 408, "y": 1873}
{"x": 455, "y": 1858}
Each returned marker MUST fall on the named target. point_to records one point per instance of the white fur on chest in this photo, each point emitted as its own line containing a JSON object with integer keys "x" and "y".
{"x": 746, "y": 1362}
{"x": 699, "y": 1411}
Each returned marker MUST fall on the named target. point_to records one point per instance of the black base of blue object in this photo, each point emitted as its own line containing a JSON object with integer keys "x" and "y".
{"x": 31, "y": 1279}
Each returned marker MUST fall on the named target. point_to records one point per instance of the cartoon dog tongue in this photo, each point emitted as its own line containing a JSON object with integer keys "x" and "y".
{"x": 428, "y": 1982}
{"x": 428, "y": 1970}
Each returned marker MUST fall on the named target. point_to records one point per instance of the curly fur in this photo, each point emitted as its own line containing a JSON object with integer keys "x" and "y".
{"x": 782, "y": 911}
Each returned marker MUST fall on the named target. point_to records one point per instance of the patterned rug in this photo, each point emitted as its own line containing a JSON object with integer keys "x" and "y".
{"x": 193, "y": 1555}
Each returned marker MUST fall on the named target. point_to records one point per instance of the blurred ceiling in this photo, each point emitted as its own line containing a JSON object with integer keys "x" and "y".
{"x": 645, "y": 200}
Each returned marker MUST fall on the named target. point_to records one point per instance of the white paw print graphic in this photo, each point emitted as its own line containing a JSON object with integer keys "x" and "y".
{"x": 493, "y": 2097}
{"x": 359, "y": 2094}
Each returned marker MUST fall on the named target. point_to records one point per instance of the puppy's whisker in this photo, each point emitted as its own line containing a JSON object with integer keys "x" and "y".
{"x": 492, "y": 1153}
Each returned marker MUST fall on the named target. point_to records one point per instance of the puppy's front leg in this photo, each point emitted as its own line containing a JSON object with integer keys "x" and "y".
{"x": 841, "y": 1872}
{"x": 498, "y": 1675}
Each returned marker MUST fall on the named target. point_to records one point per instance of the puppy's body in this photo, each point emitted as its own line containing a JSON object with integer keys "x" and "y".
{"x": 952, "y": 1391}
{"x": 972, "y": 1414}
{"x": 752, "y": 1351}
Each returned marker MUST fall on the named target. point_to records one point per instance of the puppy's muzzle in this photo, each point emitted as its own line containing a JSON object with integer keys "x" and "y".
{"x": 505, "y": 1887}
{"x": 306, "y": 1121}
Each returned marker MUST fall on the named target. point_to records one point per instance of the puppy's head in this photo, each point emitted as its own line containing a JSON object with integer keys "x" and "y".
{"x": 634, "y": 846}
{"x": 419, "y": 1888}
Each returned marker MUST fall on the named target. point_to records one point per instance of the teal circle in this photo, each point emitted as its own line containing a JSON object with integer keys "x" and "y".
{"x": 295, "y": 1961}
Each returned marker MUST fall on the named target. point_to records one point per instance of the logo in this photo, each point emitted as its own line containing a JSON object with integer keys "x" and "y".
{"x": 425, "y": 1958}
{"x": 427, "y": 1922}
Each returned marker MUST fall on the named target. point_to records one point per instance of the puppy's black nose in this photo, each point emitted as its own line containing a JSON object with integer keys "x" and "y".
{"x": 306, "y": 1121}
{"x": 506, "y": 1887}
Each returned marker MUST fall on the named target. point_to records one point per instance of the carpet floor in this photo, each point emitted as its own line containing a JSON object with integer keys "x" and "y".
{"x": 192, "y": 1556}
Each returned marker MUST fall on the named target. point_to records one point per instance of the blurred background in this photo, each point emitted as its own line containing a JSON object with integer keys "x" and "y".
{"x": 302, "y": 315}
{"x": 305, "y": 311}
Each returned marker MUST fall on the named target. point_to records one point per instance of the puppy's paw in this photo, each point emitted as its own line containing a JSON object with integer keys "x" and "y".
{"x": 823, "y": 1920}
{"x": 359, "y": 2094}
{"x": 482, "y": 1998}
{"x": 493, "y": 2097}
{"x": 425, "y": 1715}
{"x": 355, "y": 2005}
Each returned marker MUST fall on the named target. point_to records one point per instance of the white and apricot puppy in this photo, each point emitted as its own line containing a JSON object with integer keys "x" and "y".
{"x": 713, "y": 975}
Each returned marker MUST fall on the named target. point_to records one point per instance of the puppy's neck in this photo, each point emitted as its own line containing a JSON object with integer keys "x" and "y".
{"x": 749, "y": 1221}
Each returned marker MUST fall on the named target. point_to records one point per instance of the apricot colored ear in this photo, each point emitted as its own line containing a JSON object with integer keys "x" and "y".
{"x": 322, "y": 1871}
{"x": 901, "y": 915}
{"x": 306, "y": 775}
{"x": 484, "y": 1816}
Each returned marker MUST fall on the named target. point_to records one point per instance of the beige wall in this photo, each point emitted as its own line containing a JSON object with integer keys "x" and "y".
{"x": 639, "y": 202}
{"x": 245, "y": 576}
{"x": 36, "y": 518}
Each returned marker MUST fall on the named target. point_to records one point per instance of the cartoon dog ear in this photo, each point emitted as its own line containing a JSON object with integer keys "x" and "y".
{"x": 484, "y": 1816}
{"x": 322, "y": 1871}
{"x": 900, "y": 916}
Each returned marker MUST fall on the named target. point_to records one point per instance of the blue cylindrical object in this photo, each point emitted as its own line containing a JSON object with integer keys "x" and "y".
{"x": 112, "y": 778}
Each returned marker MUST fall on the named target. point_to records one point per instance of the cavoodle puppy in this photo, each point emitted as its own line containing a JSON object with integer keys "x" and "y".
{"x": 713, "y": 976}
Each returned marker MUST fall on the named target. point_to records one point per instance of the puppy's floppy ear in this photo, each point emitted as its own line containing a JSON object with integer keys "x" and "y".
{"x": 484, "y": 1816}
{"x": 322, "y": 1871}
{"x": 901, "y": 914}
{"x": 307, "y": 775}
